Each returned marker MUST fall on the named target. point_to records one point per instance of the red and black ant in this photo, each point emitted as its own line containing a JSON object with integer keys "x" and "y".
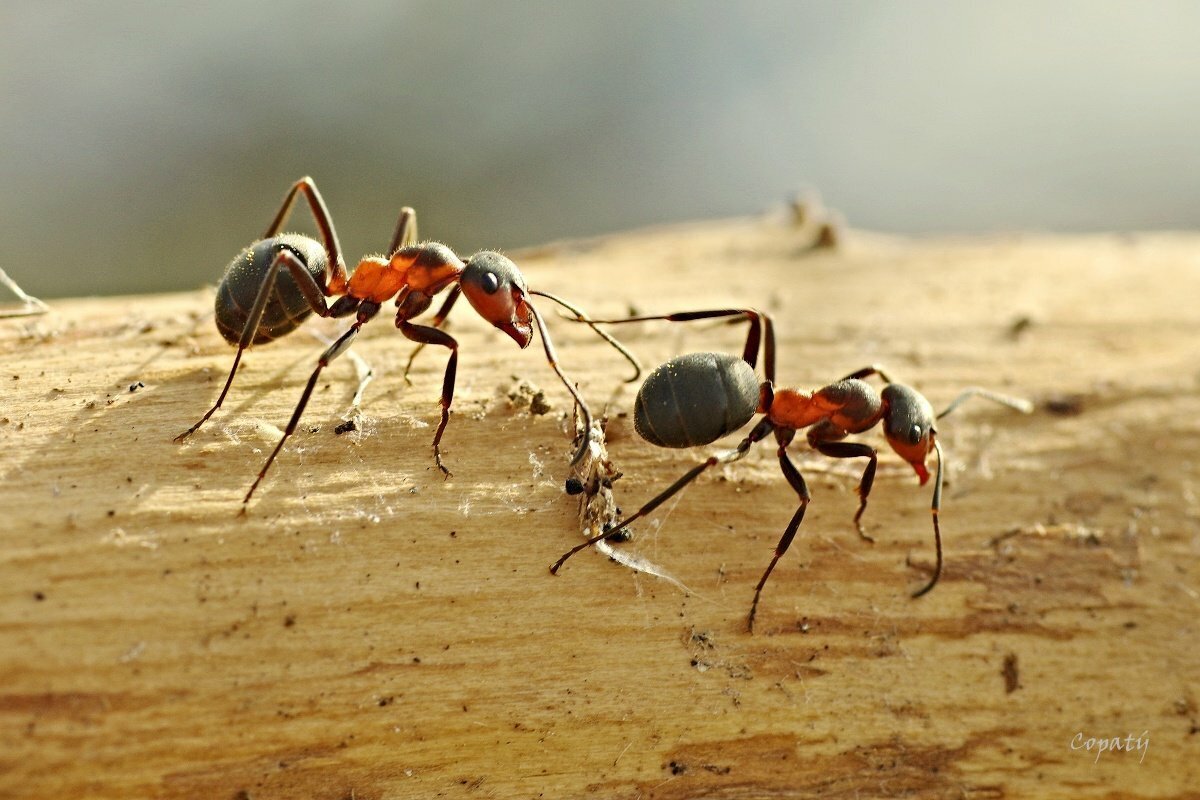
{"x": 695, "y": 399}
{"x": 273, "y": 285}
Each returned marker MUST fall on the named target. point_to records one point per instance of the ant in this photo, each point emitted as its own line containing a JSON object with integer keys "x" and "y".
{"x": 695, "y": 399}
{"x": 273, "y": 285}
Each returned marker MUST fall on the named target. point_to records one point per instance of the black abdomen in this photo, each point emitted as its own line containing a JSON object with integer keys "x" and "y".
{"x": 696, "y": 399}
{"x": 287, "y": 307}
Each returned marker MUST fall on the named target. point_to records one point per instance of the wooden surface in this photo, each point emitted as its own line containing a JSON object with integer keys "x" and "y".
{"x": 370, "y": 630}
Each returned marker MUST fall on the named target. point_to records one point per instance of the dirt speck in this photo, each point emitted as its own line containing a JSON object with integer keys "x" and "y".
{"x": 1010, "y": 673}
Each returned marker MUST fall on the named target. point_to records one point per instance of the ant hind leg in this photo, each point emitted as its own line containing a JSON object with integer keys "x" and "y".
{"x": 284, "y": 259}
{"x": 334, "y": 350}
{"x": 758, "y": 433}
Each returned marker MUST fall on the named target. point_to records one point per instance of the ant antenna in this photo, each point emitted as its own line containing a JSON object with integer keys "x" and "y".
{"x": 580, "y": 316}
{"x": 1016, "y": 403}
{"x": 935, "y": 506}
{"x": 552, "y": 357}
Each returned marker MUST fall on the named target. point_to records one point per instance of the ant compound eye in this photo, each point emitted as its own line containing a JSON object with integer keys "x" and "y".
{"x": 914, "y": 434}
{"x": 488, "y": 273}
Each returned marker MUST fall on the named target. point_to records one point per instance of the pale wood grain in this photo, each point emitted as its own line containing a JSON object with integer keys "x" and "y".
{"x": 370, "y": 630}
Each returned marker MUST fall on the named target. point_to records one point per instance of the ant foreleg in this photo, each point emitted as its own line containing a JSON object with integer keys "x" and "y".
{"x": 796, "y": 480}
{"x": 424, "y": 334}
{"x": 438, "y": 319}
{"x": 851, "y": 450}
{"x": 312, "y": 293}
{"x": 759, "y": 432}
{"x": 336, "y": 349}
{"x": 934, "y": 508}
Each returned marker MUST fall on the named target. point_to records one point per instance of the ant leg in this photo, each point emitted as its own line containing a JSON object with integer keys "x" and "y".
{"x": 582, "y": 317}
{"x": 423, "y": 334}
{"x": 337, "y": 268}
{"x": 768, "y": 349}
{"x": 866, "y": 372}
{"x": 797, "y": 482}
{"x": 759, "y": 432}
{"x": 336, "y": 349}
{"x": 406, "y": 231}
{"x": 438, "y": 319}
{"x": 312, "y": 293}
{"x": 552, "y": 358}
{"x": 761, "y": 329}
{"x": 934, "y": 507}
{"x": 853, "y": 450}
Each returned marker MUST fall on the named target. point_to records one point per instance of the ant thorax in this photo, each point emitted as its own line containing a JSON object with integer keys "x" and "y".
{"x": 850, "y": 405}
{"x": 427, "y": 268}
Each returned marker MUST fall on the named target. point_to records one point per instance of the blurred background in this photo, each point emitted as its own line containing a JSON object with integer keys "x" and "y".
{"x": 143, "y": 144}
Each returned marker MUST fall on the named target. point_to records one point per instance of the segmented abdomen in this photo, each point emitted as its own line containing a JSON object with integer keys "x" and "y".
{"x": 287, "y": 307}
{"x": 695, "y": 399}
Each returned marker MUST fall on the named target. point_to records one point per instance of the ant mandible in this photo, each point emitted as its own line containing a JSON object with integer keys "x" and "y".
{"x": 283, "y": 278}
{"x": 695, "y": 399}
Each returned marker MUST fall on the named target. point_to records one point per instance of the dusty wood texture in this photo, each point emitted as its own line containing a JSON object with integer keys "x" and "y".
{"x": 370, "y": 630}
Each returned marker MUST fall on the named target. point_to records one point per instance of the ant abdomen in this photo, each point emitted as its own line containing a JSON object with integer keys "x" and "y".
{"x": 243, "y": 278}
{"x": 695, "y": 399}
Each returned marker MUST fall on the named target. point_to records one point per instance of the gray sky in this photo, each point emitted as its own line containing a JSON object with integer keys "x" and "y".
{"x": 142, "y": 145}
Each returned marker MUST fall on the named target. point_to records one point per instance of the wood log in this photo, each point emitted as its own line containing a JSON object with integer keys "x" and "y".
{"x": 369, "y": 629}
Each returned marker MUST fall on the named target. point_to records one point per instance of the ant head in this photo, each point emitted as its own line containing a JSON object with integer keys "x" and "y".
{"x": 908, "y": 424}
{"x": 497, "y": 290}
